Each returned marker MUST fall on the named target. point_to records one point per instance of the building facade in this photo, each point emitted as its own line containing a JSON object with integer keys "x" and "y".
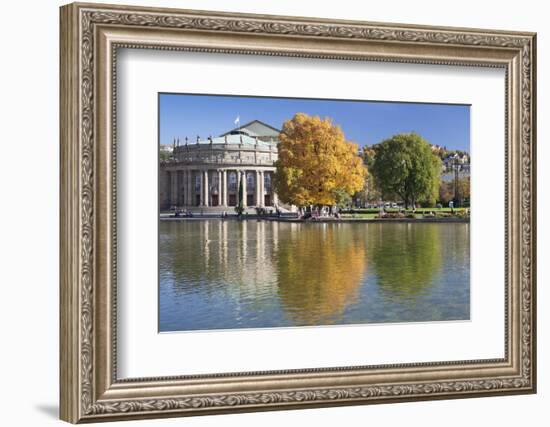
{"x": 206, "y": 174}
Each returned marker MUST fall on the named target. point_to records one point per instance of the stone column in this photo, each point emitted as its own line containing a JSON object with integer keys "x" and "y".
{"x": 177, "y": 188}
{"x": 187, "y": 192}
{"x": 201, "y": 172}
{"x": 189, "y": 198}
{"x": 183, "y": 187}
{"x": 181, "y": 193}
{"x": 258, "y": 200}
{"x": 189, "y": 188}
{"x": 225, "y": 188}
{"x": 262, "y": 189}
{"x": 205, "y": 188}
{"x": 239, "y": 173}
{"x": 245, "y": 193}
{"x": 173, "y": 187}
{"x": 220, "y": 195}
{"x": 192, "y": 187}
{"x": 194, "y": 175}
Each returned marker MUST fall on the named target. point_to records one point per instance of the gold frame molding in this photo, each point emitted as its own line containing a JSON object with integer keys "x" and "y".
{"x": 90, "y": 37}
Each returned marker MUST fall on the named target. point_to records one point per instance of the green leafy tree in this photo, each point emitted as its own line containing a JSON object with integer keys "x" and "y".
{"x": 368, "y": 153}
{"x": 342, "y": 199}
{"x": 447, "y": 191}
{"x": 165, "y": 156}
{"x": 464, "y": 190}
{"x": 404, "y": 166}
{"x": 370, "y": 192}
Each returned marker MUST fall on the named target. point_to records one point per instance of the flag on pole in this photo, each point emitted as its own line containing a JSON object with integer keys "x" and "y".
{"x": 237, "y": 120}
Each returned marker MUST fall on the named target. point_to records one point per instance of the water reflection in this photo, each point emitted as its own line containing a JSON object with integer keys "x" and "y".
{"x": 320, "y": 269}
{"x": 227, "y": 274}
{"x": 407, "y": 258}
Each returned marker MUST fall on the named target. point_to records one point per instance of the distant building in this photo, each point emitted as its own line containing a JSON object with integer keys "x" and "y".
{"x": 458, "y": 161}
{"x": 206, "y": 173}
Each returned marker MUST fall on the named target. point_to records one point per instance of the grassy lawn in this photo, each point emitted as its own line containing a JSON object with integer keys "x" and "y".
{"x": 418, "y": 214}
{"x": 447, "y": 210}
{"x": 361, "y": 211}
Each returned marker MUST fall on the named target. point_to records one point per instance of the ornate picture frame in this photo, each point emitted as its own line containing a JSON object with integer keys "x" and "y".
{"x": 90, "y": 37}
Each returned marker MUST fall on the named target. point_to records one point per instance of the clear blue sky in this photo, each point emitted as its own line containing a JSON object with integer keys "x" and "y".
{"x": 363, "y": 122}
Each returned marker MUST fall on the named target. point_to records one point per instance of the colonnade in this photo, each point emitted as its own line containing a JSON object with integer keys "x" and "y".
{"x": 220, "y": 187}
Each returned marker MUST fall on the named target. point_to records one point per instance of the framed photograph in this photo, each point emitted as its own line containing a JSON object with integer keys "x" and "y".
{"x": 267, "y": 212}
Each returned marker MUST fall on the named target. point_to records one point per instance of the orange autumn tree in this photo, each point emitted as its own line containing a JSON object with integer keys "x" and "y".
{"x": 316, "y": 165}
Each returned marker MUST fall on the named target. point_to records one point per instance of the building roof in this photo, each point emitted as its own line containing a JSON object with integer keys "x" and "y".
{"x": 256, "y": 128}
{"x": 255, "y": 132}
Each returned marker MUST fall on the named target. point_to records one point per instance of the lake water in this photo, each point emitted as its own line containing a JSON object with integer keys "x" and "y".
{"x": 230, "y": 274}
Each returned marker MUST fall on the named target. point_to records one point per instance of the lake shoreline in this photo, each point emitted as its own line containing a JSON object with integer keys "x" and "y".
{"x": 320, "y": 220}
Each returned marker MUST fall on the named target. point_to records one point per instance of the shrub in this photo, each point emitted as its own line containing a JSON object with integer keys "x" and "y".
{"x": 391, "y": 215}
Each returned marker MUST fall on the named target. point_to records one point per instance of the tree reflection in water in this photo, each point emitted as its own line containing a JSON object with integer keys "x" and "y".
{"x": 407, "y": 258}
{"x": 320, "y": 267}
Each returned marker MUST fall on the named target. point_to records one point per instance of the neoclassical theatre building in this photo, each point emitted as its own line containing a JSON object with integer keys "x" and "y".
{"x": 205, "y": 174}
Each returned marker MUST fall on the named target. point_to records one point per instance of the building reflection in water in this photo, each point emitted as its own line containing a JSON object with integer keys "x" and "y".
{"x": 218, "y": 274}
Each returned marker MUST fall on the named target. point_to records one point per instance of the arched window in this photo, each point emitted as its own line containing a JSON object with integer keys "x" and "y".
{"x": 232, "y": 181}
{"x": 214, "y": 186}
{"x": 267, "y": 182}
{"x": 250, "y": 182}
